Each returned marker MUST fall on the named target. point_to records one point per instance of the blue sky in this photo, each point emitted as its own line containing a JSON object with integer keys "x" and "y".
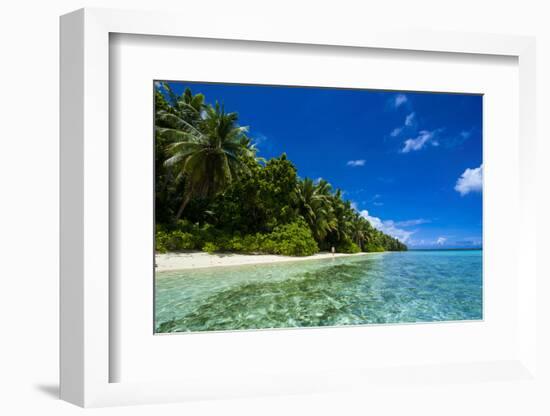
{"x": 411, "y": 163}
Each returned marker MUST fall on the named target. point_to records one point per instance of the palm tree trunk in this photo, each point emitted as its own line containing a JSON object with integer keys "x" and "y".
{"x": 184, "y": 203}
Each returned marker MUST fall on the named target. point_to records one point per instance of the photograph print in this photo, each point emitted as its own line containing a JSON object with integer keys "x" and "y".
{"x": 298, "y": 207}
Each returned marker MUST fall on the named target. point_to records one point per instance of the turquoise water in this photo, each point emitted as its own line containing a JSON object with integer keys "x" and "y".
{"x": 413, "y": 286}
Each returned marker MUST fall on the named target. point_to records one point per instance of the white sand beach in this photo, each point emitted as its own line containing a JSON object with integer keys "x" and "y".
{"x": 194, "y": 260}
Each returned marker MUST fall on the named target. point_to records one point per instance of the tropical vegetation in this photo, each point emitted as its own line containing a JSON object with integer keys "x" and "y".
{"x": 214, "y": 193}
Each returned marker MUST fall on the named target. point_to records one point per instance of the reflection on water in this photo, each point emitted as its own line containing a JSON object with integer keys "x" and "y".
{"x": 414, "y": 286}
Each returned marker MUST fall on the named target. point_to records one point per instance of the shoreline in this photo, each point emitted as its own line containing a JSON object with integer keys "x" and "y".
{"x": 175, "y": 261}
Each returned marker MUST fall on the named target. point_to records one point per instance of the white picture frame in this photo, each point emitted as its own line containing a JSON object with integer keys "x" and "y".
{"x": 85, "y": 351}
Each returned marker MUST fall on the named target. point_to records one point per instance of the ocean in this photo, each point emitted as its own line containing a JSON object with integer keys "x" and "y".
{"x": 377, "y": 288}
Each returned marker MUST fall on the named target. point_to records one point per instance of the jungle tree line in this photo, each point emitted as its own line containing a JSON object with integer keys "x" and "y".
{"x": 213, "y": 192}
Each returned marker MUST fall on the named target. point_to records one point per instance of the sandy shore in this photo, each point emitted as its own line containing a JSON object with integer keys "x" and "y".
{"x": 194, "y": 260}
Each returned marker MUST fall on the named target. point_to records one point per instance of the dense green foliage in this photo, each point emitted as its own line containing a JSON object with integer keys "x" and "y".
{"x": 292, "y": 239}
{"x": 213, "y": 193}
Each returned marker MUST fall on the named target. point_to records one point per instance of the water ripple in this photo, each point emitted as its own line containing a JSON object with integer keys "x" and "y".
{"x": 381, "y": 288}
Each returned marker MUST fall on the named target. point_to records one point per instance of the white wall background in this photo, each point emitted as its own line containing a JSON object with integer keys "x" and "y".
{"x": 29, "y": 209}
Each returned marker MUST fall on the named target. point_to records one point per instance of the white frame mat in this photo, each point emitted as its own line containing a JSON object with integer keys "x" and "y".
{"x": 85, "y": 354}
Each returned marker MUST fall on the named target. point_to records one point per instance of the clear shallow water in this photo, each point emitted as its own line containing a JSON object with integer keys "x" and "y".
{"x": 413, "y": 286}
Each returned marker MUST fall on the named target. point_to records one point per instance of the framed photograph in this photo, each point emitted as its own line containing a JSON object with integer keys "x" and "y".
{"x": 281, "y": 214}
{"x": 253, "y": 233}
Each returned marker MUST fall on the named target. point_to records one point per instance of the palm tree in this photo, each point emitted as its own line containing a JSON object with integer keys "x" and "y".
{"x": 210, "y": 155}
{"x": 184, "y": 115}
{"x": 186, "y": 106}
{"x": 341, "y": 211}
{"x": 174, "y": 115}
{"x": 313, "y": 201}
{"x": 359, "y": 229}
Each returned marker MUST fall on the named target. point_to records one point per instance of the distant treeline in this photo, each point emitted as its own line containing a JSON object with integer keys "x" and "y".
{"x": 213, "y": 193}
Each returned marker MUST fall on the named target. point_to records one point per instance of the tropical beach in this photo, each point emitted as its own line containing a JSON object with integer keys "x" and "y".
{"x": 195, "y": 260}
{"x": 377, "y": 288}
{"x": 278, "y": 230}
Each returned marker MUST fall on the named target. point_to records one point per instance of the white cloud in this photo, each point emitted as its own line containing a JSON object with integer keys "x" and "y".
{"x": 409, "y": 120}
{"x": 408, "y": 124}
{"x": 396, "y": 131}
{"x": 259, "y": 138}
{"x": 388, "y": 227}
{"x": 400, "y": 99}
{"x": 355, "y": 163}
{"x": 439, "y": 241}
{"x": 424, "y": 137}
{"x": 469, "y": 242}
{"x": 470, "y": 181}
{"x": 410, "y": 223}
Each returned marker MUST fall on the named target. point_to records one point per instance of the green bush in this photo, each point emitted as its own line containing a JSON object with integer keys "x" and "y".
{"x": 223, "y": 242}
{"x": 221, "y": 239}
{"x": 373, "y": 247}
{"x": 348, "y": 246}
{"x": 181, "y": 241}
{"x": 174, "y": 241}
{"x": 236, "y": 243}
{"x": 294, "y": 239}
{"x": 161, "y": 238}
{"x": 210, "y": 247}
{"x": 251, "y": 243}
{"x": 185, "y": 226}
